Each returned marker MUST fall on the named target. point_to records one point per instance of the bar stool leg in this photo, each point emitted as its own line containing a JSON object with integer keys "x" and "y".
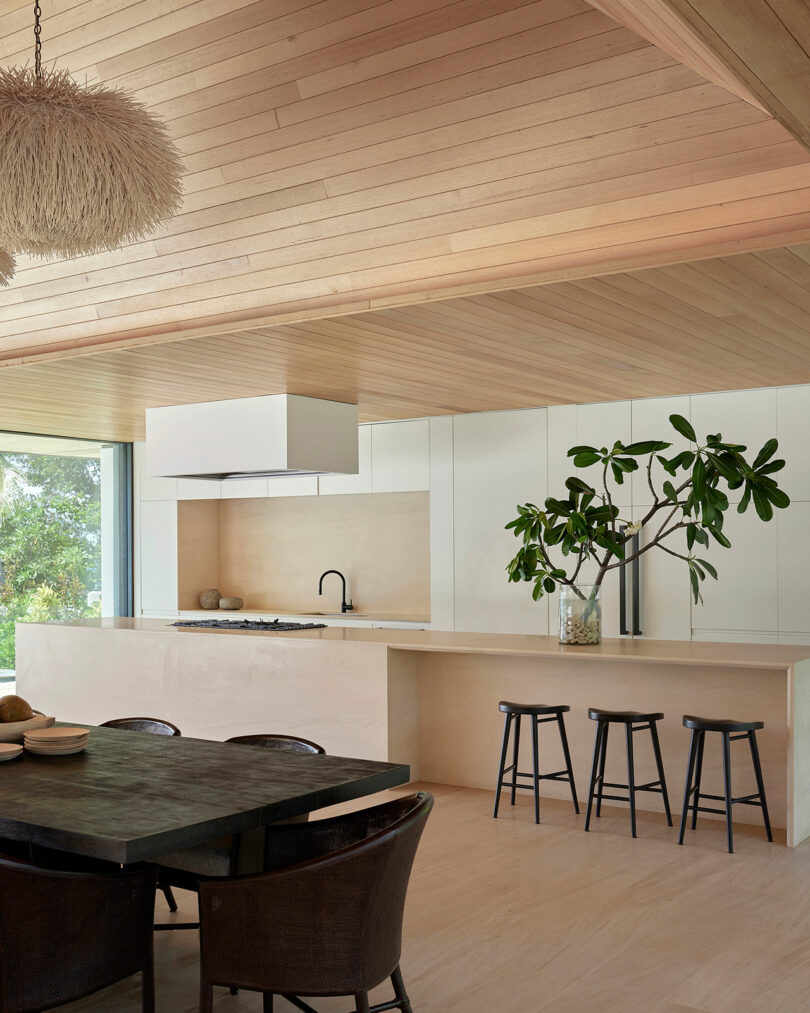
{"x": 727, "y": 785}
{"x": 568, "y": 767}
{"x": 631, "y": 776}
{"x": 536, "y": 766}
{"x": 515, "y": 756}
{"x": 601, "y": 774}
{"x": 661, "y": 775}
{"x": 690, "y": 768}
{"x": 507, "y": 722}
{"x": 698, "y": 777}
{"x": 597, "y": 752}
{"x": 752, "y": 741}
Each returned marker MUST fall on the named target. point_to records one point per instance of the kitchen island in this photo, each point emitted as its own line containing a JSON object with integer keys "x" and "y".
{"x": 429, "y": 698}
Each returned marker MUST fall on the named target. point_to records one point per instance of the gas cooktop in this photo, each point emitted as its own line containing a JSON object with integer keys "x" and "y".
{"x": 276, "y": 626}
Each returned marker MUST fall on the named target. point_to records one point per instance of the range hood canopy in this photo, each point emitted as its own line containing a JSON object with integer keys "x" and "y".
{"x": 256, "y": 437}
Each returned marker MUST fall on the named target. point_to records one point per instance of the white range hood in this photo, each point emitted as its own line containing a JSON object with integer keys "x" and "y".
{"x": 270, "y": 436}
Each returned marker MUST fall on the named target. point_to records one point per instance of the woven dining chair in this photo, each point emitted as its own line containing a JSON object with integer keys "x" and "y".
{"x": 327, "y": 918}
{"x": 155, "y": 726}
{"x": 64, "y": 935}
{"x": 229, "y": 855}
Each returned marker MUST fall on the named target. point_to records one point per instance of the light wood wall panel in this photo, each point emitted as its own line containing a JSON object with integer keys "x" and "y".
{"x": 349, "y": 155}
{"x": 272, "y": 552}
{"x": 719, "y": 324}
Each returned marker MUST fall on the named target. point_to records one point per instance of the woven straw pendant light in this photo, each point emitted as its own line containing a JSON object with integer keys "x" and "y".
{"x": 82, "y": 168}
{"x": 6, "y": 267}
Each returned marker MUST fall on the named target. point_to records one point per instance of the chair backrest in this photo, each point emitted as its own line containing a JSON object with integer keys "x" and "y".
{"x": 65, "y": 934}
{"x": 283, "y": 743}
{"x": 341, "y": 906}
{"x": 155, "y": 726}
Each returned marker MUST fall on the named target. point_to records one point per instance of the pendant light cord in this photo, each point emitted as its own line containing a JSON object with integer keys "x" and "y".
{"x": 37, "y": 40}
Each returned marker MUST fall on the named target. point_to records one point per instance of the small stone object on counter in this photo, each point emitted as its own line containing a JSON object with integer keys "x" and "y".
{"x": 231, "y": 604}
{"x": 575, "y": 630}
{"x": 209, "y": 599}
{"x": 14, "y": 708}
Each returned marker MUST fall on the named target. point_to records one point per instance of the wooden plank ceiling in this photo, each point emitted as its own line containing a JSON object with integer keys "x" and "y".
{"x": 731, "y": 322}
{"x": 343, "y": 155}
{"x": 408, "y": 205}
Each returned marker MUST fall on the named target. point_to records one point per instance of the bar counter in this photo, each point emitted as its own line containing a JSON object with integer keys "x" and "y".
{"x": 429, "y": 698}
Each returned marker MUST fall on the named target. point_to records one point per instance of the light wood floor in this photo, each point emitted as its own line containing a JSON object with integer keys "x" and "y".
{"x": 508, "y": 917}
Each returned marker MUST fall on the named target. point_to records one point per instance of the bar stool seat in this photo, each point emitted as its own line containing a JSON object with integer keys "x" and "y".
{"x": 507, "y": 707}
{"x": 538, "y": 714}
{"x": 720, "y": 724}
{"x": 731, "y": 731}
{"x": 633, "y": 721}
{"x": 624, "y": 717}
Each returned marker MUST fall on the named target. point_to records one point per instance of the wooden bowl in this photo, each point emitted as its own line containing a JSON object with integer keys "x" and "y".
{"x": 13, "y": 731}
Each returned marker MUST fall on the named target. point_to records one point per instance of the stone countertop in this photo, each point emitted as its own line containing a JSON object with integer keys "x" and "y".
{"x": 670, "y": 652}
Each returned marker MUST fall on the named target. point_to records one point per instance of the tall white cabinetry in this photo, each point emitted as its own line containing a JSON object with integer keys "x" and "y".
{"x": 664, "y": 582}
{"x": 499, "y": 460}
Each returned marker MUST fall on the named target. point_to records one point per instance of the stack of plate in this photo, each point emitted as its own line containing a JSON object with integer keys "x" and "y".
{"x": 56, "y": 741}
{"x": 9, "y": 750}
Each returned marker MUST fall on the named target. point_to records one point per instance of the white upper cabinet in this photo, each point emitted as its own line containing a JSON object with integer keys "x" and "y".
{"x": 741, "y": 416}
{"x": 745, "y": 595}
{"x": 794, "y": 568}
{"x": 600, "y": 425}
{"x": 292, "y": 485}
{"x": 158, "y": 555}
{"x": 664, "y": 601}
{"x": 793, "y": 433}
{"x": 400, "y": 456}
{"x": 198, "y": 488}
{"x": 146, "y": 486}
{"x": 650, "y": 419}
{"x": 331, "y": 485}
{"x": 562, "y": 435}
{"x": 499, "y": 460}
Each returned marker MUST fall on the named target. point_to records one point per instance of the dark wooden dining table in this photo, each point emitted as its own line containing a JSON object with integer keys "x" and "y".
{"x": 131, "y": 796}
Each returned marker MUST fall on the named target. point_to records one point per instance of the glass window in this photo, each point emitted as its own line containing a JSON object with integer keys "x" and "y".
{"x": 65, "y": 533}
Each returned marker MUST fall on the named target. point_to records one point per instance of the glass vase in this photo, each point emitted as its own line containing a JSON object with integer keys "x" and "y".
{"x": 580, "y": 615}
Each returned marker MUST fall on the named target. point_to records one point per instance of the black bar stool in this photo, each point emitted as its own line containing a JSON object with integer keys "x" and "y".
{"x": 539, "y": 715}
{"x": 730, "y": 730}
{"x": 633, "y": 721}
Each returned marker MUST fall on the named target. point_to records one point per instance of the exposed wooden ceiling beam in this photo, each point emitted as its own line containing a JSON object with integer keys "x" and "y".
{"x": 725, "y": 323}
{"x": 757, "y": 49}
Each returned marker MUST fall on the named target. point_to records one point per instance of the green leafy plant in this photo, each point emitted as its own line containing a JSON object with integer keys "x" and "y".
{"x": 587, "y": 526}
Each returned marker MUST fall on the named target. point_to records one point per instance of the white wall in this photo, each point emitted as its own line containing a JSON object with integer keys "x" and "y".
{"x": 478, "y": 467}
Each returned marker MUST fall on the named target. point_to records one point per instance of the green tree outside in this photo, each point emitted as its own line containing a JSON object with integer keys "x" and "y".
{"x": 50, "y": 541}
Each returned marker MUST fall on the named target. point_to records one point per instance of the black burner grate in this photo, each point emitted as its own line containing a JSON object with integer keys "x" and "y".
{"x": 274, "y": 626}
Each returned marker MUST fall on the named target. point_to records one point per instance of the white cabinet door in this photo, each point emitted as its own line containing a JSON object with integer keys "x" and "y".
{"x": 332, "y": 485}
{"x": 600, "y": 425}
{"x": 295, "y": 485}
{"x": 793, "y": 433}
{"x": 499, "y": 461}
{"x": 744, "y": 598}
{"x": 794, "y": 568}
{"x": 664, "y": 600}
{"x": 650, "y": 418}
{"x": 562, "y": 435}
{"x": 442, "y": 615}
{"x": 198, "y": 488}
{"x": 158, "y": 555}
{"x": 400, "y": 456}
{"x": 147, "y": 487}
{"x": 741, "y": 416}
{"x": 244, "y": 488}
